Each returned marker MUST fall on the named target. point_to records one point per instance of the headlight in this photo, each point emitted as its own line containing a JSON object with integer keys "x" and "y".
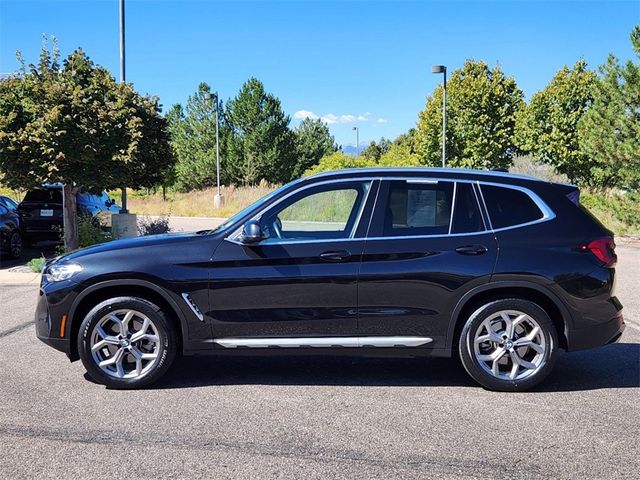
{"x": 59, "y": 272}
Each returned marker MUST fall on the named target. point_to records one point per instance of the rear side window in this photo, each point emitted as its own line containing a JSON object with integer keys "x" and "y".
{"x": 466, "y": 216}
{"x": 418, "y": 208}
{"x": 508, "y": 207}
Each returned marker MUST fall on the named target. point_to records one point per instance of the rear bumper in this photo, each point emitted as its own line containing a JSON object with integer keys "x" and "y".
{"x": 596, "y": 335}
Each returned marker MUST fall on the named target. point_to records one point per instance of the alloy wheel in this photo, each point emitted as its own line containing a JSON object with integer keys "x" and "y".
{"x": 510, "y": 345}
{"x": 15, "y": 245}
{"x": 125, "y": 344}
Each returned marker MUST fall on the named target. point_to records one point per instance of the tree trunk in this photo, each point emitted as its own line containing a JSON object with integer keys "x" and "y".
{"x": 70, "y": 217}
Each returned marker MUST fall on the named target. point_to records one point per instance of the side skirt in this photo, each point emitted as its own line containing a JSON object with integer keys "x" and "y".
{"x": 322, "y": 342}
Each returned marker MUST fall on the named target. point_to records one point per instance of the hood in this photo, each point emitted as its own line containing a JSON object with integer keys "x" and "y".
{"x": 129, "y": 243}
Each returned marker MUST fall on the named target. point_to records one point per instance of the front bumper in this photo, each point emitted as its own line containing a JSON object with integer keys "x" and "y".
{"x": 51, "y": 322}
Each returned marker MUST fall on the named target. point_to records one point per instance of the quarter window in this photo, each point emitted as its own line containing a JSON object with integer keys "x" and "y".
{"x": 509, "y": 207}
{"x": 418, "y": 208}
{"x": 324, "y": 212}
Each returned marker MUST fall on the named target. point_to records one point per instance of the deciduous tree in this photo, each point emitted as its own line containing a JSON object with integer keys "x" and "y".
{"x": 547, "y": 128}
{"x": 75, "y": 125}
{"x": 481, "y": 116}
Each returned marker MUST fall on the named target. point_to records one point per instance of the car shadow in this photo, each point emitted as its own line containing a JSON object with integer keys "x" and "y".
{"x": 612, "y": 366}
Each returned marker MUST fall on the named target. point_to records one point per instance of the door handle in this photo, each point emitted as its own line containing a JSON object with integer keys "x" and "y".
{"x": 472, "y": 250}
{"x": 339, "y": 256}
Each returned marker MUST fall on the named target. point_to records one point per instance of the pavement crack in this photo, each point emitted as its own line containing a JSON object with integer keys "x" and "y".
{"x": 17, "y": 328}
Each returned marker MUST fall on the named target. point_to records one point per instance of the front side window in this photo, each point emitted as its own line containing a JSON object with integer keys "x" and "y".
{"x": 508, "y": 207}
{"x": 418, "y": 208}
{"x": 318, "y": 213}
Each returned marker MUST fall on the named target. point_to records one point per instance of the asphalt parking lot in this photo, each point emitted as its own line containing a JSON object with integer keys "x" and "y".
{"x": 319, "y": 417}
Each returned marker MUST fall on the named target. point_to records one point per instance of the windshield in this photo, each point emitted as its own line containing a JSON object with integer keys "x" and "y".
{"x": 254, "y": 206}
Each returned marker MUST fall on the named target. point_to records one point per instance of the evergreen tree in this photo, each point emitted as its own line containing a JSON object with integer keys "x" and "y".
{"x": 260, "y": 143}
{"x": 313, "y": 141}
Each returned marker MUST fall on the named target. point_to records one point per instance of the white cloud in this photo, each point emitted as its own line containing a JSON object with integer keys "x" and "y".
{"x": 333, "y": 119}
{"x": 302, "y": 114}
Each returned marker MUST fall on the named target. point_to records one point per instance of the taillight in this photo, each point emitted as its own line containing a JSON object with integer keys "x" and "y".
{"x": 604, "y": 249}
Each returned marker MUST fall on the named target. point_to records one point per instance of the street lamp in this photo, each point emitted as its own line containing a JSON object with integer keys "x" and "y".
{"x": 217, "y": 200}
{"x": 443, "y": 69}
{"x": 122, "y": 80}
{"x": 357, "y": 140}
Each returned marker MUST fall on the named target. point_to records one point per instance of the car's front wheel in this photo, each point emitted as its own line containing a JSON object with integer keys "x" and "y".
{"x": 508, "y": 345}
{"x": 126, "y": 342}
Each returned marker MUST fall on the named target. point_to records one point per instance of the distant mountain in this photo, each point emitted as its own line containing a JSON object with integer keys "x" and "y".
{"x": 350, "y": 150}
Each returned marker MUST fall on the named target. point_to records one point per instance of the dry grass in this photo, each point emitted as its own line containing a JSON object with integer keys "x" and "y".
{"x": 194, "y": 204}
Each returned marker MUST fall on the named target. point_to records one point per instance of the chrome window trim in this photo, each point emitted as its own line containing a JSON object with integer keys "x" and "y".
{"x": 548, "y": 214}
{"x": 233, "y": 237}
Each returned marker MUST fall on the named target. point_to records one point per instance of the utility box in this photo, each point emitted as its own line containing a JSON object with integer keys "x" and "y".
{"x": 124, "y": 225}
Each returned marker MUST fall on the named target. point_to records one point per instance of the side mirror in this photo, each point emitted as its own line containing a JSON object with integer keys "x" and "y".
{"x": 251, "y": 233}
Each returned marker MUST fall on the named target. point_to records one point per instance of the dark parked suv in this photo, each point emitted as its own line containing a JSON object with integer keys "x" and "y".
{"x": 502, "y": 270}
{"x": 41, "y": 211}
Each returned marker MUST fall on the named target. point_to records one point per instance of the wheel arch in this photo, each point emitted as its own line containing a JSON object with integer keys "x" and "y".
{"x": 101, "y": 291}
{"x": 484, "y": 294}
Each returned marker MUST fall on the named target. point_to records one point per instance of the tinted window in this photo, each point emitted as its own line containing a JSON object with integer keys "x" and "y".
{"x": 418, "y": 208}
{"x": 44, "y": 195}
{"x": 466, "y": 215}
{"x": 325, "y": 212}
{"x": 508, "y": 207}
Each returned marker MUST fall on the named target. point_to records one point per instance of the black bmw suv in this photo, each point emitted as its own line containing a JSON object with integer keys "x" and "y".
{"x": 502, "y": 270}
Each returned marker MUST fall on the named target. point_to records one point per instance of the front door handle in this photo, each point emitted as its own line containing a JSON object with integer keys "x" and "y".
{"x": 339, "y": 256}
{"x": 472, "y": 250}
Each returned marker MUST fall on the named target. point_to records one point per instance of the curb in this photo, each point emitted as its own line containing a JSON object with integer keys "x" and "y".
{"x": 19, "y": 278}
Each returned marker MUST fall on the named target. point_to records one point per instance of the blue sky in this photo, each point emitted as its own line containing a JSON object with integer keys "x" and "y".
{"x": 352, "y": 63}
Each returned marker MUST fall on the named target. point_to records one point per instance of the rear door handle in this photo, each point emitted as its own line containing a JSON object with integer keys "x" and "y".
{"x": 339, "y": 256}
{"x": 472, "y": 250}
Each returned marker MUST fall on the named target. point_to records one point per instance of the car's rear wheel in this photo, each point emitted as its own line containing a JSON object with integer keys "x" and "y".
{"x": 508, "y": 345}
{"x": 126, "y": 342}
{"x": 15, "y": 244}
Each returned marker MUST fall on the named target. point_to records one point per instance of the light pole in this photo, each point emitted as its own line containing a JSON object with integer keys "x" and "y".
{"x": 122, "y": 80}
{"x": 357, "y": 140}
{"x": 217, "y": 200}
{"x": 443, "y": 69}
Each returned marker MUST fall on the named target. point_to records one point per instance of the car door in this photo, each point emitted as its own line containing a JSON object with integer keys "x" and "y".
{"x": 300, "y": 280}
{"x": 420, "y": 257}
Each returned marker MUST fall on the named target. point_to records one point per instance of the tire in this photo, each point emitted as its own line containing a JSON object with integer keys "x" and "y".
{"x": 135, "y": 360}
{"x": 518, "y": 353}
{"x": 15, "y": 244}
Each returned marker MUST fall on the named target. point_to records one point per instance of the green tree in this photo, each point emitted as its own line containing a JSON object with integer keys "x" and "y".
{"x": 339, "y": 161}
{"x": 193, "y": 139}
{"x": 547, "y": 128}
{"x": 609, "y": 133}
{"x": 260, "y": 143}
{"x": 400, "y": 155}
{"x": 313, "y": 141}
{"x": 481, "y": 116}
{"x": 75, "y": 125}
{"x": 375, "y": 150}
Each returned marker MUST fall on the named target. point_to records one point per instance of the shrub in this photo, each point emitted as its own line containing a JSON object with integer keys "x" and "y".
{"x": 36, "y": 264}
{"x": 153, "y": 226}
